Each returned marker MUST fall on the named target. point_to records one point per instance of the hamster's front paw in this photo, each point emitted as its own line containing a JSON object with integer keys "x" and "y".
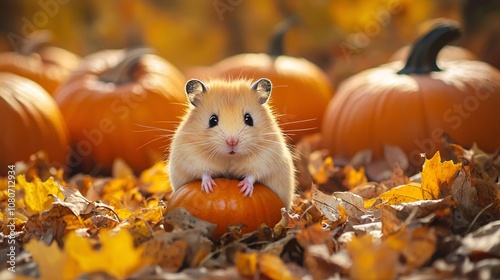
{"x": 247, "y": 186}
{"x": 207, "y": 182}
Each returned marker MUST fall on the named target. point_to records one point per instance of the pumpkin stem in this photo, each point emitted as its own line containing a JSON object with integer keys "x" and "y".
{"x": 123, "y": 72}
{"x": 423, "y": 56}
{"x": 276, "y": 45}
{"x": 35, "y": 41}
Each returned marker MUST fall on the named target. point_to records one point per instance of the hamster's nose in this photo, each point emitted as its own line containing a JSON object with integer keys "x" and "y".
{"x": 232, "y": 141}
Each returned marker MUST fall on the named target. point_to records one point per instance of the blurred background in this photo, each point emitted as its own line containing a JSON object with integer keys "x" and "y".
{"x": 343, "y": 37}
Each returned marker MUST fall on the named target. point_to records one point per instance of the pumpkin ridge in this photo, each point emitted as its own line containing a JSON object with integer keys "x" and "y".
{"x": 426, "y": 127}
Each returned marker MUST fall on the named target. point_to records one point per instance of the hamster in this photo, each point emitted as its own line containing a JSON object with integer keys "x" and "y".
{"x": 230, "y": 131}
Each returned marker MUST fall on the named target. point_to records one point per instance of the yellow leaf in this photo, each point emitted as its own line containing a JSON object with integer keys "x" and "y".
{"x": 118, "y": 187}
{"x": 153, "y": 215}
{"x": 274, "y": 268}
{"x": 123, "y": 213}
{"x": 271, "y": 266}
{"x": 320, "y": 171}
{"x": 407, "y": 193}
{"x": 50, "y": 267}
{"x": 73, "y": 222}
{"x": 140, "y": 222}
{"x": 37, "y": 193}
{"x": 246, "y": 263}
{"x": 353, "y": 177}
{"x": 123, "y": 189}
{"x": 116, "y": 255}
{"x": 157, "y": 176}
{"x": 437, "y": 177}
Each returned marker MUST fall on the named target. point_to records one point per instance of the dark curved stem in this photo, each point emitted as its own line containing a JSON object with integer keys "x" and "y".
{"x": 122, "y": 73}
{"x": 276, "y": 45}
{"x": 422, "y": 58}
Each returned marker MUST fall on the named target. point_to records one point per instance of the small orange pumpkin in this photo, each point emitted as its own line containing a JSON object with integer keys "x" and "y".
{"x": 30, "y": 121}
{"x": 301, "y": 89}
{"x": 413, "y": 107}
{"x": 227, "y": 206}
{"x": 46, "y": 65}
{"x": 121, "y": 104}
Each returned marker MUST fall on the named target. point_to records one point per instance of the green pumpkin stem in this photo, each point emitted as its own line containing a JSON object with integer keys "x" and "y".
{"x": 35, "y": 41}
{"x": 276, "y": 45}
{"x": 123, "y": 72}
{"x": 423, "y": 55}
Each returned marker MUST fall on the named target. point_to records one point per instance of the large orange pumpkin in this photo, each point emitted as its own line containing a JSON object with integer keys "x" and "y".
{"x": 412, "y": 107}
{"x": 121, "y": 104}
{"x": 227, "y": 206}
{"x": 30, "y": 121}
{"x": 46, "y": 65}
{"x": 301, "y": 90}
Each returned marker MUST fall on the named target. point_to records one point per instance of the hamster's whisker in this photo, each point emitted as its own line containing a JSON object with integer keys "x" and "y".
{"x": 168, "y": 122}
{"x": 263, "y": 149}
{"x": 186, "y": 133}
{"x": 270, "y": 141}
{"x": 206, "y": 149}
{"x": 151, "y": 141}
{"x": 299, "y": 121}
{"x": 152, "y": 128}
{"x": 271, "y": 133}
{"x": 299, "y": 129}
{"x": 211, "y": 153}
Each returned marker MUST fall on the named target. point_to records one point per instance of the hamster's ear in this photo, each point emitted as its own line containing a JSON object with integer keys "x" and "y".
{"x": 263, "y": 89}
{"x": 194, "y": 88}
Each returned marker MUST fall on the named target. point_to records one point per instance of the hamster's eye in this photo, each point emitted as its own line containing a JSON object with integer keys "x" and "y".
{"x": 213, "y": 121}
{"x": 248, "y": 119}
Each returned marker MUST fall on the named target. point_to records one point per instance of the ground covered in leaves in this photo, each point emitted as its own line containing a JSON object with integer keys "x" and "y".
{"x": 443, "y": 222}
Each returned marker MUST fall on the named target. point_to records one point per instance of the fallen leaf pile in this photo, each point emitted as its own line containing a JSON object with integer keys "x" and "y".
{"x": 444, "y": 222}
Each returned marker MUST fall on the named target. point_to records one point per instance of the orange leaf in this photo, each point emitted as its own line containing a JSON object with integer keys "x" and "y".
{"x": 312, "y": 235}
